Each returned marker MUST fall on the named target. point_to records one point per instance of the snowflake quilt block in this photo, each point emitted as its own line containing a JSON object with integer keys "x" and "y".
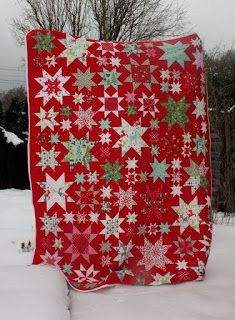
{"x": 119, "y": 159}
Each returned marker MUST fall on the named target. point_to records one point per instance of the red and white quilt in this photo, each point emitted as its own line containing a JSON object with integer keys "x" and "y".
{"x": 119, "y": 159}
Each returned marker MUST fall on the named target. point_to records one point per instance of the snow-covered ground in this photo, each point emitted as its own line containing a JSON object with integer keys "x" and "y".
{"x": 11, "y": 137}
{"x": 26, "y": 292}
{"x": 221, "y": 218}
{"x": 40, "y": 292}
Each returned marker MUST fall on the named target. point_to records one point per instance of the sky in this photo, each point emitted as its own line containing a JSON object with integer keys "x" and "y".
{"x": 213, "y": 20}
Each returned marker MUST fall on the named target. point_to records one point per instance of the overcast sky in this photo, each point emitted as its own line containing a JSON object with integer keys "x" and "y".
{"x": 213, "y": 20}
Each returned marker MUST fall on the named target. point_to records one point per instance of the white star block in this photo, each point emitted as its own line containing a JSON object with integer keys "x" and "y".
{"x": 47, "y": 119}
{"x": 200, "y": 108}
{"x": 75, "y": 49}
{"x": 55, "y": 191}
{"x": 130, "y": 137}
{"x": 112, "y": 226}
{"x": 188, "y": 214}
{"x": 52, "y": 86}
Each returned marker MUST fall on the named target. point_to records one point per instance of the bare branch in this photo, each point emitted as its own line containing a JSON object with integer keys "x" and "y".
{"x": 60, "y": 15}
{"x": 132, "y": 20}
{"x": 117, "y": 20}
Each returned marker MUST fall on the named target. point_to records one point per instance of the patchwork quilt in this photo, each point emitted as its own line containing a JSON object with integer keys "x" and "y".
{"x": 119, "y": 159}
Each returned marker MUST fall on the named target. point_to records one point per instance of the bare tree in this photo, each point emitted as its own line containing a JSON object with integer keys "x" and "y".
{"x": 220, "y": 65}
{"x": 127, "y": 20}
{"x": 77, "y": 11}
{"x": 60, "y": 15}
{"x": 131, "y": 20}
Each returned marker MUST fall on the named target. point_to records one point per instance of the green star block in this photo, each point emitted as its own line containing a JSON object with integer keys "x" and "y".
{"x": 66, "y": 111}
{"x": 164, "y": 228}
{"x": 159, "y": 170}
{"x": 79, "y": 151}
{"x": 143, "y": 176}
{"x": 154, "y": 124}
{"x": 165, "y": 87}
{"x": 142, "y": 230}
{"x": 203, "y": 90}
{"x": 54, "y": 138}
{"x": 122, "y": 273}
{"x": 110, "y": 78}
{"x": 175, "y": 53}
{"x": 104, "y": 124}
{"x": 176, "y": 112}
{"x": 90, "y": 285}
{"x": 75, "y": 284}
{"x": 44, "y": 42}
{"x": 200, "y": 146}
{"x": 106, "y": 206}
{"x": 112, "y": 171}
{"x": 130, "y": 48}
{"x": 140, "y": 281}
{"x": 58, "y": 244}
{"x": 80, "y": 178}
{"x": 131, "y": 110}
{"x": 67, "y": 268}
{"x": 154, "y": 150}
{"x": 83, "y": 80}
{"x": 204, "y": 182}
{"x": 105, "y": 247}
{"x": 92, "y": 177}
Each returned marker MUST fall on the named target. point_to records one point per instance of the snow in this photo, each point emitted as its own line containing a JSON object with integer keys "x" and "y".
{"x": 17, "y": 225}
{"x": 26, "y": 292}
{"x": 220, "y": 218}
{"x": 11, "y": 137}
{"x": 222, "y": 111}
{"x": 231, "y": 109}
{"x": 40, "y": 292}
{"x": 32, "y": 293}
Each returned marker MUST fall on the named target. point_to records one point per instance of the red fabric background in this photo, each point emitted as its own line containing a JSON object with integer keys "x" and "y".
{"x": 164, "y": 231}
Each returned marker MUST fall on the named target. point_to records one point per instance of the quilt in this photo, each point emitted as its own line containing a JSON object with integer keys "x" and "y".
{"x": 119, "y": 152}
